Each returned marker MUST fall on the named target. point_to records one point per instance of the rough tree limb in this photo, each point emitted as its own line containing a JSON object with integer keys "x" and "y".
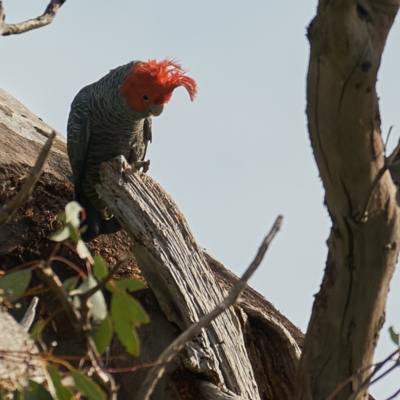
{"x": 347, "y": 40}
{"x": 9, "y": 209}
{"x": 177, "y": 345}
{"x": 45, "y": 19}
{"x": 175, "y": 268}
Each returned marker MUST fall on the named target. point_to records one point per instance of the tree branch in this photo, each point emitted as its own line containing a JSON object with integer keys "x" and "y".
{"x": 45, "y": 19}
{"x": 175, "y": 268}
{"x": 347, "y": 40}
{"x": 8, "y": 210}
{"x": 177, "y": 345}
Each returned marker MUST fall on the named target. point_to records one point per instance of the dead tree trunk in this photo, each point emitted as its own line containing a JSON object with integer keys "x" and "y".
{"x": 347, "y": 40}
{"x": 176, "y": 269}
{"x": 252, "y": 351}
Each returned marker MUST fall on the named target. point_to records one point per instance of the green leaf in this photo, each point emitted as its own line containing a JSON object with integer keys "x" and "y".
{"x": 83, "y": 251}
{"x": 97, "y": 301}
{"x": 72, "y": 212}
{"x": 35, "y": 391}
{"x": 130, "y": 285}
{"x": 136, "y": 312}
{"x": 394, "y": 336}
{"x": 74, "y": 233}
{"x": 99, "y": 268}
{"x": 60, "y": 235}
{"x": 37, "y": 329}
{"x": 126, "y": 312}
{"x": 71, "y": 222}
{"x": 86, "y": 386}
{"x": 70, "y": 283}
{"x": 102, "y": 334}
{"x": 61, "y": 392}
{"x": 15, "y": 283}
{"x": 62, "y": 217}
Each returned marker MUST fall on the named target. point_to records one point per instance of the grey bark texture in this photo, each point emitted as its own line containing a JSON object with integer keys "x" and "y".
{"x": 253, "y": 341}
{"x": 347, "y": 39}
{"x": 176, "y": 269}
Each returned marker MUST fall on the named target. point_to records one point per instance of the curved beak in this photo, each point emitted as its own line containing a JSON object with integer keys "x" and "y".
{"x": 156, "y": 109}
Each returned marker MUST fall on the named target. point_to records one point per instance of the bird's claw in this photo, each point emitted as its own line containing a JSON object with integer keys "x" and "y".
{"x": 144, "y": 165}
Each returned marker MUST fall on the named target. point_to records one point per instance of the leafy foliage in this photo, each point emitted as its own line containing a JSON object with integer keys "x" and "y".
{"x": 33, "y": 391}
{"x": 59, "y": 391}
{"x": 87, "y": 386}
{"x": 102, "y": 334}
{"x": 13, "y": 285}
{"x": 88, "y": 304}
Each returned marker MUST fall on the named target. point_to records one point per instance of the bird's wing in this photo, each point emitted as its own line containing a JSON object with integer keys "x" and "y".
{"x": 147, "y": 134}
{"x": 78, "y": 134}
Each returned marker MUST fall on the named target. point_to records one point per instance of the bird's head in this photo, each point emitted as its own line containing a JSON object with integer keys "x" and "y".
{"x": 150, "y": 85}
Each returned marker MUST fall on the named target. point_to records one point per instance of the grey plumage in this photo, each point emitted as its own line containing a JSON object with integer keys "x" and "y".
{"x": 102, "y": 126}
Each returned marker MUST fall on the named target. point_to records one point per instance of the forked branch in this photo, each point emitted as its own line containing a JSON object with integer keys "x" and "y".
{"x": 45, "y": 19}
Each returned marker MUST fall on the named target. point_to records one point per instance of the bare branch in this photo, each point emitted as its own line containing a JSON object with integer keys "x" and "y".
{"x": 46, "y": 274}
{"x": 43, "y": 20}
{"x": 8, "y": 210}
{"x": 368, "y": 381}
{"x": 345, "y": 132}
{"x": 394, "y": 395}
{"x": 176, "y": 346}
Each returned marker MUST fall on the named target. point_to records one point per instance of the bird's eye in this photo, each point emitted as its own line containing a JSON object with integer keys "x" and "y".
{"x": 145, "y": 98}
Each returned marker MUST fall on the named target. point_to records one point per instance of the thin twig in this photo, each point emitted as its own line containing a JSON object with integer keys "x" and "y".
{"x": 387, "y": 137}
{"x": 104, "y": 379}
{"x": 81, "y": 273}
{"x": 388, "y": 371}
{"x": 378, "y": 366}
{"x": 392, "y": 157}
{"x": 8, "y": 210}
{"x": 78, "y": 321}
{"x": 132, "y": 369}
{"x": 177, "y": 345}
{"x": 46, "y": 274}
{"x": 101, "y": 285}
{"x": 45, "y": 19}
{"x": 389, "y": 162}
{"x": 394, "y": 395}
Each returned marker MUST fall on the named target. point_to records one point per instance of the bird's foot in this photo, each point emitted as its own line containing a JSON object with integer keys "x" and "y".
{"x": 144, "y": 165}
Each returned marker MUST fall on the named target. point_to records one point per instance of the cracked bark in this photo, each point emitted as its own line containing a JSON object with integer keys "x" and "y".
{"x": 347, "y": 40}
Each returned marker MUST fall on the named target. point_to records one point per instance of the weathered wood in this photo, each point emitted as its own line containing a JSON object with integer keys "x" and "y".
{"x": 18, "y": 354}
{"x": 175, "y": 348}
{"x": 271, "y": 341}
{"x": 347, "y": 40}
{"x": 174, "y": 266}
{"x": 269, "y": 334}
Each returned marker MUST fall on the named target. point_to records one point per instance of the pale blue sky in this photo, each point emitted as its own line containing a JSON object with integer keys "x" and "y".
{"x": 237, "y": 156}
